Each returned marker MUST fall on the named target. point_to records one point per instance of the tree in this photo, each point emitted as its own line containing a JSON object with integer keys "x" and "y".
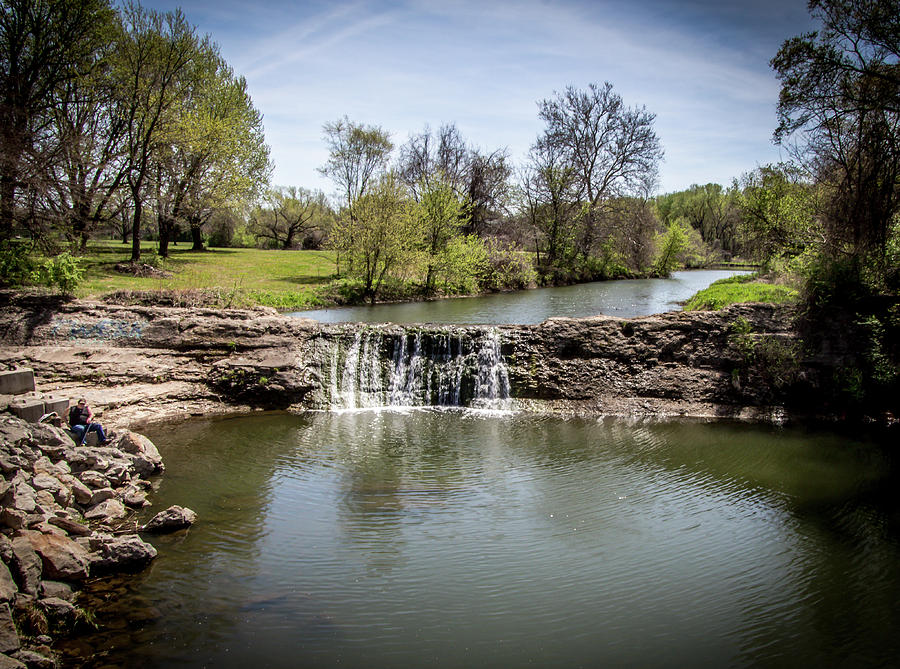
{"x": 777, "y": 212}
{"x": 380, "y": 235}
{"x": 44, "y": 45}
{"x": 611, "y": 149}
{"x": 479, "y": 179}
{"x": 216, "y": 155}
{"x": 550, "y": 199}
{"x": 290, "y": 215}
{"x": 439, "y": 217}
{"x": 840, "y": 104}
{"x": 357, "y": 155}
{"x": 157, "y": 57}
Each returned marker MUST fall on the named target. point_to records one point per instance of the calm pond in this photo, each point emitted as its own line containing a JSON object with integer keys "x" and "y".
{"x": 625, "y": 298}
{"x": 467, "y": 539}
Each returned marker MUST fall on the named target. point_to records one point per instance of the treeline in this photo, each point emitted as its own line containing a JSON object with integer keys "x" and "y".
{"x": 118, "y": 118}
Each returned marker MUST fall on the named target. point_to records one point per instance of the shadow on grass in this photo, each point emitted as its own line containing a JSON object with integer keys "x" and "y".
{"x": 308, "y": 280}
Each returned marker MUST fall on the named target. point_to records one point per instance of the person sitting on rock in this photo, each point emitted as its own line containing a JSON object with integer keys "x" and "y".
{"x": 81, "y": 420}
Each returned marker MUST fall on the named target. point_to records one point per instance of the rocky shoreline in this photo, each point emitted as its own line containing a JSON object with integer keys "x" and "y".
{"x": 67, "y": 517}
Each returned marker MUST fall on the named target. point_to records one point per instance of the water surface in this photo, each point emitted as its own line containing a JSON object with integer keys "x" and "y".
{"x": 451, "y": 539}
{"x": 624, "y": 298}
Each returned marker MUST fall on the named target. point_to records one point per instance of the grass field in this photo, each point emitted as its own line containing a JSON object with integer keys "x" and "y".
{"x": 281, "y": 279}
{"x": 736, "y": 289}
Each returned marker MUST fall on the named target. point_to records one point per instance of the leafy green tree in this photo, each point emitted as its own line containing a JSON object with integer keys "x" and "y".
{"x": 840, "y": 102}
{"x": 290, "y": 216}
{"x": 439, "y": 215}
{"x": 45, "y": 45}
{"x": 672, "y": 243}
{"x": 777, "y": 213}
{"x": 381, "y": 234}
{"x": 157, "y": 59}
{"x": 216, "y": 156}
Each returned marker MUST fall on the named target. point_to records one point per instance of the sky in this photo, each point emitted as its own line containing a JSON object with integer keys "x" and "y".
{"x": 701, "y": 66}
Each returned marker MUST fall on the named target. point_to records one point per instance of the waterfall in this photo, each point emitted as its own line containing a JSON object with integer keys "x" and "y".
{"x": 447, "y": 367}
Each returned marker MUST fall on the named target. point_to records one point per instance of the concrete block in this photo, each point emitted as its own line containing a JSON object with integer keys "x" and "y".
{"x": 30, "y": 409}
{"x": 16, "y": 382}
{"x": 58, "y": 404}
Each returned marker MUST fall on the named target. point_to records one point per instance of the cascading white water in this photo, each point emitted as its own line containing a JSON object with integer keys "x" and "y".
{"x": 419, "y": 368}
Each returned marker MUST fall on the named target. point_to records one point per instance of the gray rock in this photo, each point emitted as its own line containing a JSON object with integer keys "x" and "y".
{"x": 58, "y": 590}
{"x": 172, "y": 519}
{"x": 101, "y": 495}
{"x": 110, "y": 509}
{"x": 34, "y": 660}
{"x": 123, "y": 553}
{"x": 7, "y": 662}
{"x": 8, "y": 587}
{"x": 26, "y": 566}
{"x": 139, "y": 445}
{"x": 58, "y": 610}
{"x": 93, "y": 479}
{"x": 70, "y": 526}
{"x": 13, "y": 518}
{"x": 21, "y": 497}
{"x": 47, "y": 482}
{"x": 80, "y": 491}
{"x": 9, "y": 638}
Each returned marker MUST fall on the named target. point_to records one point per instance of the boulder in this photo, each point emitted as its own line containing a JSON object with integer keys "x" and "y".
{"x": 57, "y": 589}
{"x": 32, "y": 660}
{"x": 124, "y": 553}
{"x": 80, "y": 491}
{"x": 26, "y": 566}
{"x": 138, "y": 445}
{"x": 107, "y": 510}
{"x": 47, "y": 482}
{"x": 21, "y": 496}
{"x": 58, "y": 610}
{"x": 171, "y": 520}
{"x": 93, "y": 479}
{"x": 101, "y": 495}
{"x": 62, "y": 558}
{"x": 9, "y": 638}
{"x": 7, "y": 662}
{"x": 8, "y": 587}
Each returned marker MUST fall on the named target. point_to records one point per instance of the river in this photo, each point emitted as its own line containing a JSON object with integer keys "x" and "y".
{"x": 399, "y": 538}
{"x": 625, "y": 298}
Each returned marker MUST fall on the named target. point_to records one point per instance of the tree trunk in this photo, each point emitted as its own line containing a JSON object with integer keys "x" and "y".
{"x": 7, "y": 205}
{"x": 197, "y": 237}
{"x": 136, "y": 231}
{"x": 165, "y": 232}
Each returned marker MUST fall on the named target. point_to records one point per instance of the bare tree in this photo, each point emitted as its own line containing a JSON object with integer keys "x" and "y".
{"x": 612, "y": 149}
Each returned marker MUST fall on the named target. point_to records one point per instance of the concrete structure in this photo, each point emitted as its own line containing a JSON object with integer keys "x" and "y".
{"x": 16, "y": 382}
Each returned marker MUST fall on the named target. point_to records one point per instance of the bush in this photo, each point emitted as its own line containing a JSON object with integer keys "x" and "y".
{"x": 63, "y": 272}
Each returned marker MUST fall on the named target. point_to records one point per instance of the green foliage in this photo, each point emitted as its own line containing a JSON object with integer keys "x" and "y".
{"x": 16, "y": 265}
{"x": 671, "y": 244}
{"x": 62, "y": 271}
{"x": 508, "y": 267}
{"x": 775, "y": 360}
{"x": 463, "y": 264}
{"x": 735, "y": 290}
{"x": 777, "y": 213}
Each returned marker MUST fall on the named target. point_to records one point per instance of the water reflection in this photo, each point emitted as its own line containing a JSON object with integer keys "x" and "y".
{"x": 624, "y": 298}
{"x": 460, "y": 539}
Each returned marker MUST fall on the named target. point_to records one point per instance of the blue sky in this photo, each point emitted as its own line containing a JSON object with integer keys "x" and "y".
{"x": 700, "y": 65}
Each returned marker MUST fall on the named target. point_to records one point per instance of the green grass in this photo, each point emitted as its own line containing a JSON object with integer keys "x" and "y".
{"x": 241, "y": 277}
{"x": 738, "y": 289}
